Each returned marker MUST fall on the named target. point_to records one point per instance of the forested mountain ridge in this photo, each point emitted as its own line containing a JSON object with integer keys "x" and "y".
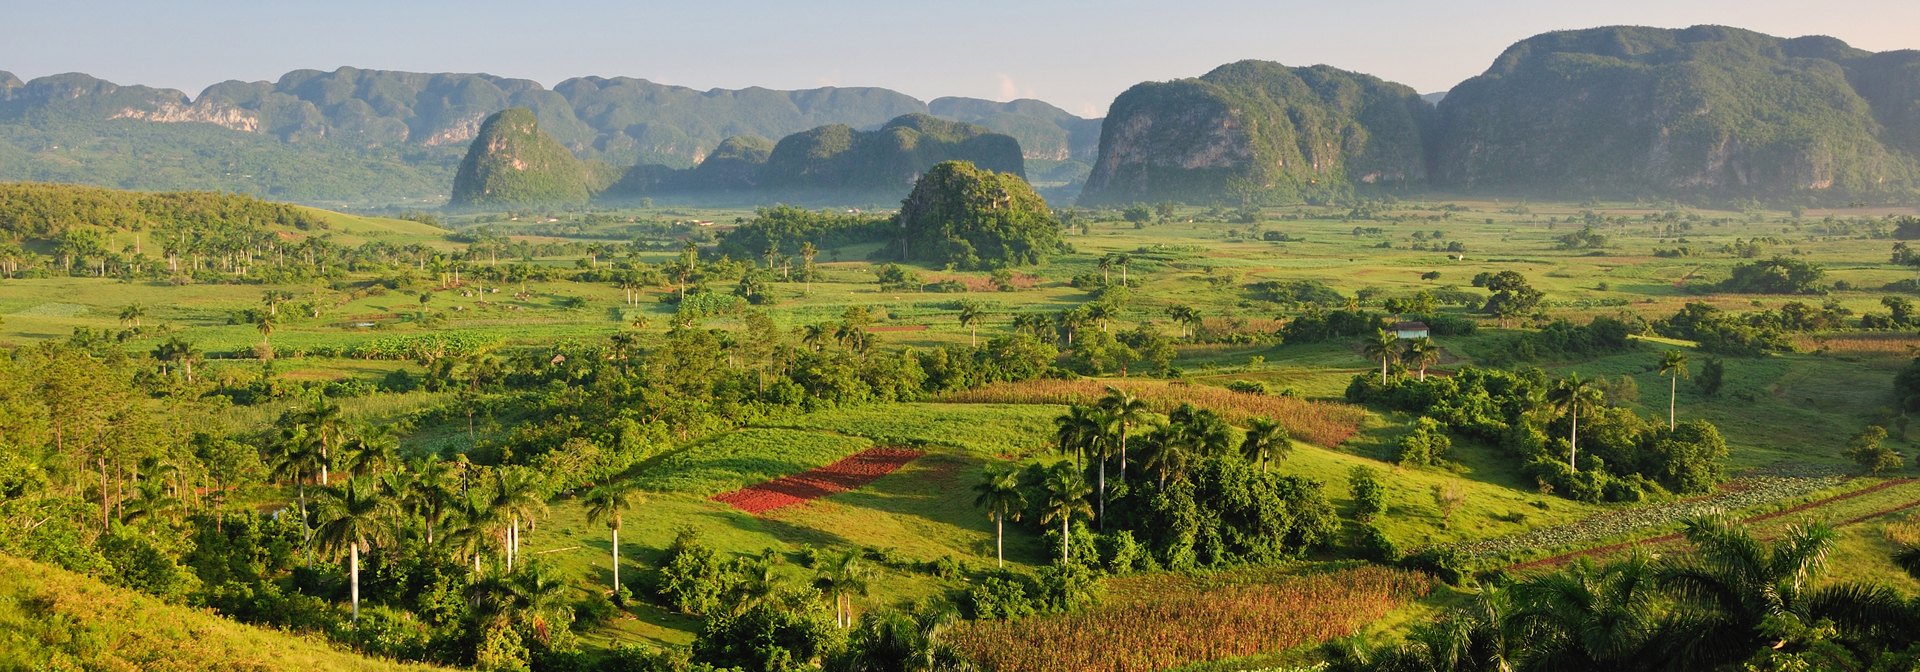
{"x": 355, "y": 135}
{"x": 1258, "y": 130}
{"x": 833, "y": 161}
{"x": 1711, "y": 110}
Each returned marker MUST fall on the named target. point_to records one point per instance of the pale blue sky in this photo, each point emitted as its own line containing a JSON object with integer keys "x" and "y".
{"x": 1077, "y": 54}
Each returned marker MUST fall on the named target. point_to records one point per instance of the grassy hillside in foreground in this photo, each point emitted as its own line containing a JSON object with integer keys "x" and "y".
{"x": 57, "y": 620}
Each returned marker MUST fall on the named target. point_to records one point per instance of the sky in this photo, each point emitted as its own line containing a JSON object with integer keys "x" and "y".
{"x": 1077, "y": 54}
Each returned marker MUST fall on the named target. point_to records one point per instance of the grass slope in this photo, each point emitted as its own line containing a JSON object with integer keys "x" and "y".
{"x": 51, "y": 619}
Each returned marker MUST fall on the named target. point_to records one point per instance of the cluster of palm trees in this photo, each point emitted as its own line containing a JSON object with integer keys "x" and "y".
{"x": 1732, "y": 597}
{"x": 1097, "y": 434}
{"x": 450, "y": 506}
{"x": 1385, "y": 347}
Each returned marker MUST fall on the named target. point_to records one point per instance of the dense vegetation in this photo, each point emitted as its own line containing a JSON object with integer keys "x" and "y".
{"x": 972, "y": 217}
{"x": 512, "y": 162}
{"x": 1291, "y": 133}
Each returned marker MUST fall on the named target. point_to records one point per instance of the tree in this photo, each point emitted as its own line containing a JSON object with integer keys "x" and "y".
{"x": 299, "y": 455}
{"x": 1588, "y": 618}
{"x": 1076, "y": 431}
{"x": 1512, "y": 296}
{"x": 911, "y": 640}
{"x": 1125, "y": 410}
{"x": 1865, "y": 449}
{"x": 606, "y": 503}
{"x": 1265, "y": 437}
{"x": 354, "y": 515}
{"x": 1066, "y": 497}
{"x": 1186, "y": 316}
{"x": 516, "y": 497}
{"x": 843, "y": 576}
{"x": 1733, "y": 583}
{"x": 971, "y": 314}
{"x": 178, "y": 352}
{"x": 807, "y": 253}
{"x": 972, "y": 218}
{"x": 1673, "y": 364}
{"x": 1713, "y": 375}
{"x": 132, "y": 313}
{"x": 1572, "y": 395}
{"x": 266, "y": 324}
{"x": 1424, "y": 352}
{"x": 1369, "y": 494}
{"x": 1384, "y": 347}
{"x": 1000, "y": 495}
{"x": 1448, "y": 498}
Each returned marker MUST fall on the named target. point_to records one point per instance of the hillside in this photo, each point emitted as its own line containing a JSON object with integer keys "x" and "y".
{"x": 834, "y": 162}
{"x": 1259, "y": 130}
{"x": 58, "y": 620}
{"x": 1711, "y": 110}
{"x": 1045, "y": 132}
{"x": 513, "y": 161}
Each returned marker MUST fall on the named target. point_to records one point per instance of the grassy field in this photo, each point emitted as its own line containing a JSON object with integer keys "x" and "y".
{"x": 1795, "y": 408}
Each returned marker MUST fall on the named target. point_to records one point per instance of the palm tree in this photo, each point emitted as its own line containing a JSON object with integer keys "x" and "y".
{"x": 327, "y": 425}
{"x": 432, "y": 493}
{"x": 1106, "y": 269}
{"x": 178, "y": 352}
{"x": 1571, "y": 396}
{"x": 1122, "y": 262}
{"x": 1734, "y": 582}
{"x": 354, "y": 515}
{"x": 1673, "y": 364}
{"x": 474, "y": 535}
{"x": 1385, "y": 347}
{"x": 815, "y": 335}
{"x": 843, "y": 576}
{"x": 1588, "y": 618}
{"x": 375, "y": 448}
{"x": 516, "y": 496}
{"x": 1265, "y": 437}
{"x": 910, "y": 640}
{"x": 1101, "y": 312}
{"x": 1125, "y": 409}
{"x": 1071, "y": 320}
{"x": 1000, "y": 495}
{"x": 1033, "y": 323}
{"x": 1185, "y": 315}
{"x": 1422, "y": 351}
{"x": 1167, "y": 451}
{"x": 132, "y": 314}
{"x": 970, "y": 317}
{"x": 1076, "y": 430}
{"x": 299, "y": 456}
{"x": 1066, "y": 497}
{"x": 266, "y": 324}
{"x": 606, "y": 503}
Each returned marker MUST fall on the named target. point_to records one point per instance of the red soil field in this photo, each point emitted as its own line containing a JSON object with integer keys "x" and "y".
{"x": 850, "y": 473}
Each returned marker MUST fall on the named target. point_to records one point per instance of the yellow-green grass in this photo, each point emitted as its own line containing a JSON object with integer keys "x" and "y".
{"x": 51, "y": 619}
{"x": 985, "y": 430}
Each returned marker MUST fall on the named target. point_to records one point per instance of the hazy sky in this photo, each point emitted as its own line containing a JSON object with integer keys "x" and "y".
{"x": 1075, "y": 54}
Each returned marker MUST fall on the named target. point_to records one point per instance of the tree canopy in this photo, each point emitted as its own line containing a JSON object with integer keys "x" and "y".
{"x": 972, "y": 218}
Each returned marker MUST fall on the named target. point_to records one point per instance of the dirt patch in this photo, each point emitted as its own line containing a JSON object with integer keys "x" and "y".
{"x": 850, "y": 473}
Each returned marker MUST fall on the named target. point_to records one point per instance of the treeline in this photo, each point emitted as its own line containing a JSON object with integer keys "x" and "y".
{"x": 1615, "y": 455}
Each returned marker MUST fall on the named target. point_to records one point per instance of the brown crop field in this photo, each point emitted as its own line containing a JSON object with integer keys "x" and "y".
{"x": 850, "y": 473}
{"x": 1188, "y": 627}
{"x": 1320, "y": 423}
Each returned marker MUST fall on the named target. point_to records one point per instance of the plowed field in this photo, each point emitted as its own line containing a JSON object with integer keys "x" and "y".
{"x": 850, "y": 473}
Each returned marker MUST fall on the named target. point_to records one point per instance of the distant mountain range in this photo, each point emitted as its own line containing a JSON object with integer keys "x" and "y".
{"x": 356, "y": 135}
{"x": 1707, "y": 112}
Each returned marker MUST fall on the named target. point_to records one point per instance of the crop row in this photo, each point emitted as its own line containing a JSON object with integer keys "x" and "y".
{"x": 1741, "y": 494}
{"x": 1164, "y": 633}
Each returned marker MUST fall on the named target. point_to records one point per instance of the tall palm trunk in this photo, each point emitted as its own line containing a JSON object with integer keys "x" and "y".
{"x": 616, "y": 555}
{"x": 353, "y": 569}
{"x": 1103, "y": 493}
{"x": 1673, "y": 390}
{"x": 1573, "y": 446}
{"x": 1383, "y": 370}
{"x": 1063, "y": 538}
{"x": 1000, "y": 537}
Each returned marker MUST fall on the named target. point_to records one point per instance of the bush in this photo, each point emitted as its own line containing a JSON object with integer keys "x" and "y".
{"x": 1447, "y": 563}
{"x": 1249, "y": 387}
{"x": 1426, "y": 445}
{"x": 1369, "y": 494}
{"x": 1002, "y": 594}
{"x": 692, "y": 578}
{"x": 1374, "y": 546}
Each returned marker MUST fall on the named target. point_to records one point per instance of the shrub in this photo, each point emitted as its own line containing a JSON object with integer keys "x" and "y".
{"x": 1369, "y": 494}
{"x": 1426, "y": 445}
{"x": 1447, "y": 563}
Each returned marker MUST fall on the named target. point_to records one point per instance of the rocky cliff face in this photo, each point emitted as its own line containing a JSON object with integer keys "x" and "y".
{"x": 1709, "y": 110}
{"x": 1261, "y": 131}
{"x": 513, "y": 162}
